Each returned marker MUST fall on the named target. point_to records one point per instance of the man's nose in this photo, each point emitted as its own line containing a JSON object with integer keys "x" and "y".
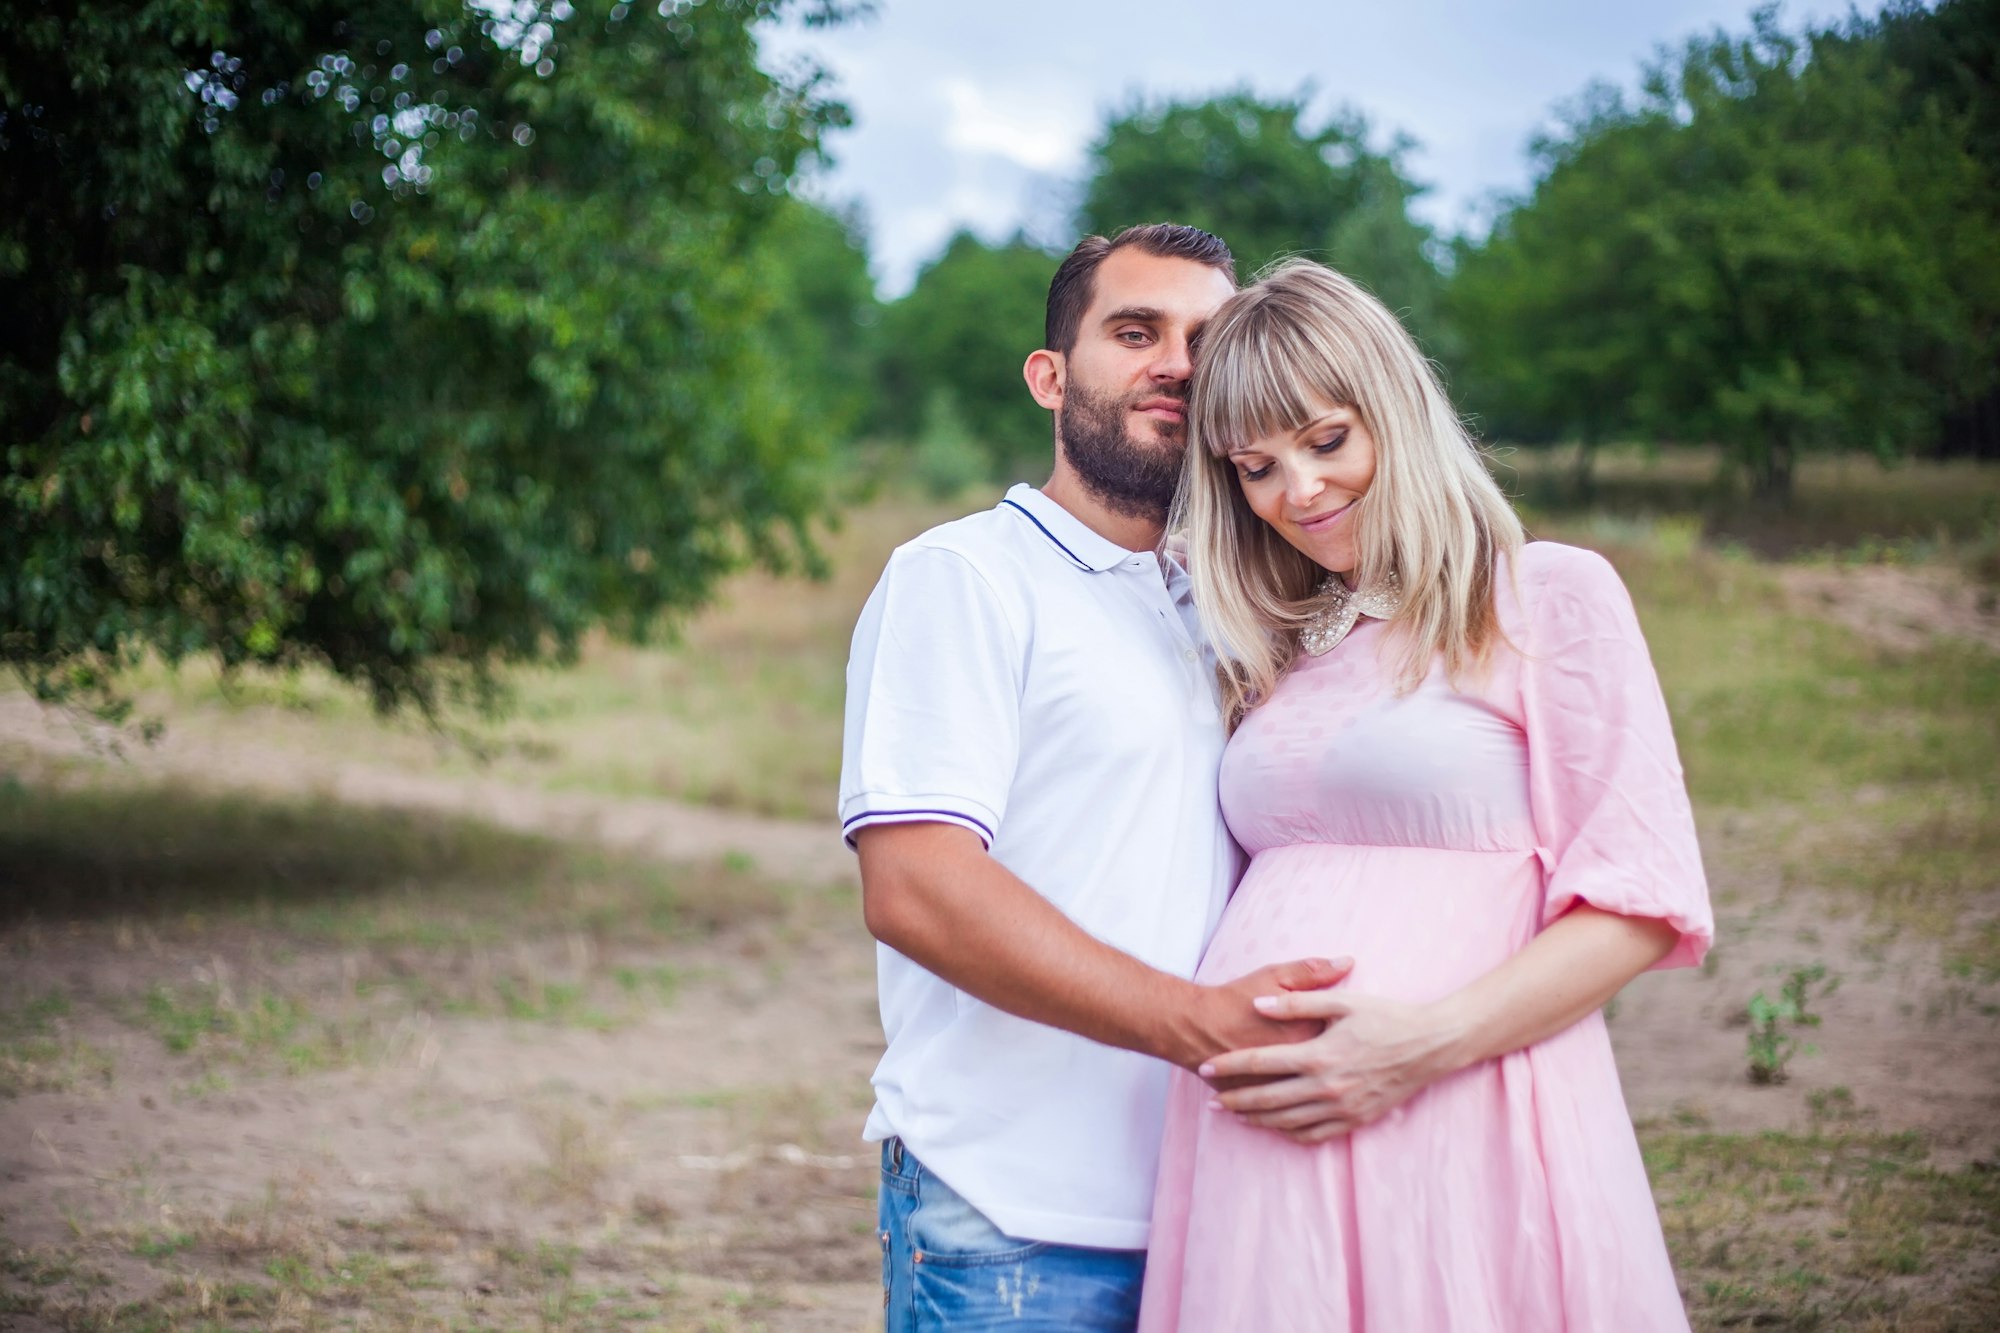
{"x": 1172, "y": 360}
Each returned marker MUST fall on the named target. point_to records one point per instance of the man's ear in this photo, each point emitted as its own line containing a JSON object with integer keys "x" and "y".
{"x": 1046, "y": 374}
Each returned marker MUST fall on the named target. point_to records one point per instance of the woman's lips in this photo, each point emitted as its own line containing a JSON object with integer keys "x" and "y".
{"x": 1321, "y": 522}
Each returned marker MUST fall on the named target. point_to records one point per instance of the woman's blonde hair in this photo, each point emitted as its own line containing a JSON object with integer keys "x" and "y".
{"x": 1278, "y": 354}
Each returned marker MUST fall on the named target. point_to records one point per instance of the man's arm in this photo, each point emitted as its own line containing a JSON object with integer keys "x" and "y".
{"x": 930, "y": 892}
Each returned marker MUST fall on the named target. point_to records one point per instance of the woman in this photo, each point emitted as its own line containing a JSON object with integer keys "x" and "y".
{"x": 1453, "y": 764}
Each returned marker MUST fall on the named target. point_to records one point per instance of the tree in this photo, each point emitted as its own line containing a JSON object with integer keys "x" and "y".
{"x": 965, "y": 328}
{"x": 1767, "y": 251}
{"x": 825, "y": 318}
{"x": 1554, "y": 340}
{"x": 396, "y": 335}
{"x": 1948, "y": 59}
{"x": 1250, "y": 171}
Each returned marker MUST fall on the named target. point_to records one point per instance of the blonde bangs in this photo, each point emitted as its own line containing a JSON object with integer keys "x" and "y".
{"x": 1262, "y": 373}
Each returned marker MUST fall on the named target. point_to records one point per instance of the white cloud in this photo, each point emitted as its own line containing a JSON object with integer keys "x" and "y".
{"x": 1033, "y": 131}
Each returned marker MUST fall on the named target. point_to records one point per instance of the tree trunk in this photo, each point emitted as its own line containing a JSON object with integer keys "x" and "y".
{"x": 1583, "y": 472}
{"x": 1771, "y": 481}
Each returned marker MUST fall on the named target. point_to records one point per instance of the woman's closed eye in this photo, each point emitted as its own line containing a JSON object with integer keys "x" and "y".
{"x": 1327, "y": 446}
{"x": 1255, "y": 474}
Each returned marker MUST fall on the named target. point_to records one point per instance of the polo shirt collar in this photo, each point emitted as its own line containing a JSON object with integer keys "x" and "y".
{"x": 1065, "y": 531}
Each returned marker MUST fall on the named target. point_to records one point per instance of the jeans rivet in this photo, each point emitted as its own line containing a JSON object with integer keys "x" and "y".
{"x": 919, "y": 1257}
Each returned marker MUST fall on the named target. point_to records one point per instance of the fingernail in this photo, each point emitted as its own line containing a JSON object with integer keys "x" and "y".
{"x": 1215, "y": 1103}
{"x": 1206, "y": 1070}
{"x": 1265, "y": 1003}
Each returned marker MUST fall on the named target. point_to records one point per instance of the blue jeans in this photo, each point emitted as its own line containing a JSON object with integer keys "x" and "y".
{"x": 944, "y": 1266}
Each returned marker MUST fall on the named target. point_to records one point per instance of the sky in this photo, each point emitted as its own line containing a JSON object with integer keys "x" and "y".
{"x": 975, "y": 114}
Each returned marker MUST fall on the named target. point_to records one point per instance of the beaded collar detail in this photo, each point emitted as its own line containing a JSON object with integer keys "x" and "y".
{"x": 1340, "y": 607}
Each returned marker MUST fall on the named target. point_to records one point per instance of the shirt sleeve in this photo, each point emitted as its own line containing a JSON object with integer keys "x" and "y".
{"x": 933, "y": 719}
{"x": 1610, "y": 802}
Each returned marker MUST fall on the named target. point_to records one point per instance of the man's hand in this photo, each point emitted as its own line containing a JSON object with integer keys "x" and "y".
{"x": 1223, "y": 1018}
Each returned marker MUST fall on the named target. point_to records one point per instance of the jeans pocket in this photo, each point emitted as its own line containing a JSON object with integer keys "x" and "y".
{"x": 945, "y": 1229}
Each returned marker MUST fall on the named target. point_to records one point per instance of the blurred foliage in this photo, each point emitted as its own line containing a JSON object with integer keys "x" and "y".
{"x": 965, "y": 329}
{"x": 1786, "y": 243}
{"x": 948, "y": 460}
{"x": 1249, "y": 170}
{"x": 403, "y": 336}
{"x": 826, "y": 319}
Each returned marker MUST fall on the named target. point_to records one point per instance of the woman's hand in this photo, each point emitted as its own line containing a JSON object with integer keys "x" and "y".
{"x": 1374, "y": 1055}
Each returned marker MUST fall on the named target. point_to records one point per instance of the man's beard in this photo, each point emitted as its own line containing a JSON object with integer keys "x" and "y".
{"x": 1135, "y": 478}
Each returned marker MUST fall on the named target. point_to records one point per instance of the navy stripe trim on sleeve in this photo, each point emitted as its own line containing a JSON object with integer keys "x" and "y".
{"x": 1080, "y": 562}
{"x": 950, "y": 814}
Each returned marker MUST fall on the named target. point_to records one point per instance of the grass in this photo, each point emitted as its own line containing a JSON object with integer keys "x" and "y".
{"x": 320, "y": 871}
{"x": 39, "y": 1051}
{"x": 1835, "y": 1229}
{"x": 740, "y": 709}
{"x": 1849, "y": 504}
{"x": 316, "y": 932}
{"x": 283, "y": 1265}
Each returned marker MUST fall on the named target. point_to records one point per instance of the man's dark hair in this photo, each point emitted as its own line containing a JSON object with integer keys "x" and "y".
{"x": 1071, "y": 288}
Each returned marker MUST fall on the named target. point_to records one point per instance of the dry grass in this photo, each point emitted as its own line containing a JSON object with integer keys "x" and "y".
{"x": 741, "y": 709}
{"x": 422, "y": 1271}
{"x": 1837, "y": 1229}
{"x": 256, "y": 938}
{"x": 1848, "y": 504}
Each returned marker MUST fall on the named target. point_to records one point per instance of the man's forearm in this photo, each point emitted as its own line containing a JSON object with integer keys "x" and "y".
{"x": 992, "y": 936}
{"x": 931, "y": 893}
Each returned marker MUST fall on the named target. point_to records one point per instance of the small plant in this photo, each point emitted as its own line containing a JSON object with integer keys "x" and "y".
{"x": 1771, "y": 1048}
{"x": 1771, "y": 1045}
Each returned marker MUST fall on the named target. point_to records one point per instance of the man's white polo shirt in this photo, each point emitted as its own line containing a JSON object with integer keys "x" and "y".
{"x": 1020, "y": 676}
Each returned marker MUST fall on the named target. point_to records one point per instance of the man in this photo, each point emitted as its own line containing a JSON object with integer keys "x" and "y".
{"x": 1029, "y": 776}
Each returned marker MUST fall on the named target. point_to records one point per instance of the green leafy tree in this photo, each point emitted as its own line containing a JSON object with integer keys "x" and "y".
{"x": 1252, "y": 172}
{"x": 1770, "y": 250}
{"x": 1552, "y": 343}
{"x": 826, "y": 318}
{"x": 403, "y": 336}
{"x": 966, "y": 327}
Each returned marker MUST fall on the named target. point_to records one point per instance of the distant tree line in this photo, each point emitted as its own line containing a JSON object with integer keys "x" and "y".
{"x": 1786, "y": 243}
{"x": 414, "y": 338}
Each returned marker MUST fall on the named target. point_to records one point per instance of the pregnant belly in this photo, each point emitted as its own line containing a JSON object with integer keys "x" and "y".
{"x": 1419, "y": 922}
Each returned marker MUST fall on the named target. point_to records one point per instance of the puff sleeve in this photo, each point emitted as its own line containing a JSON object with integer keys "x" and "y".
{"x": 1611, "y": 810}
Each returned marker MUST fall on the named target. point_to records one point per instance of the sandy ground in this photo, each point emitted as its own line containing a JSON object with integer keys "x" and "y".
{"x": 710, "y": 1147}
{"x": 1901, "y": 606}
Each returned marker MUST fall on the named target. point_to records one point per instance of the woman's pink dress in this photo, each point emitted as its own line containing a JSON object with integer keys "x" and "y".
{"x": 1429, "y": 836}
